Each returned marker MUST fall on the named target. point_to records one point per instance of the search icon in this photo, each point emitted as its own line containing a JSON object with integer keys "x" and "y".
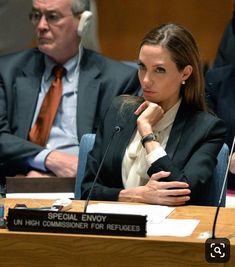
{"x": 217, "y": 250}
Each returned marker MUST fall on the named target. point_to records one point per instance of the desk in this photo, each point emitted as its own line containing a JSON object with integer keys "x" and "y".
{"x": 40, "y": 187}
{"x": 40, "y": 184}
{"x": 25, "y": 249}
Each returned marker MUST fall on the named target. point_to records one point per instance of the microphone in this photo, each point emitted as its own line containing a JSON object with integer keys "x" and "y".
{"x": 117, "y": 129}
{"x": 79, "y": 222}
{"x": 217, "y": 250}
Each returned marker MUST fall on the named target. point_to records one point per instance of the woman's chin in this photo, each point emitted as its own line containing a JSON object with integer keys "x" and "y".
{"x": 149, "y": 97}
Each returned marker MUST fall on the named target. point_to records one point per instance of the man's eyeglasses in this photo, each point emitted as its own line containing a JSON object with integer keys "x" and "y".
{"x": 51, "y": 17}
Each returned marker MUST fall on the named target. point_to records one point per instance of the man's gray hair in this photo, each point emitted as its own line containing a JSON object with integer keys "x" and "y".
{"x": 78, "y": 6}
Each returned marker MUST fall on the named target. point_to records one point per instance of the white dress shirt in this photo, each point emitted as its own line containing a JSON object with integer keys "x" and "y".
{"x": 63, "y": 134}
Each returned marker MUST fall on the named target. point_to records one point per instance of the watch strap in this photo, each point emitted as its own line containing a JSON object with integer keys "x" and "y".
{"x": 149, "y": 137}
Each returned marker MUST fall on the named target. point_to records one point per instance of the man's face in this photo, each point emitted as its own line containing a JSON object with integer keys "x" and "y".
{"x": 55, "y": 28}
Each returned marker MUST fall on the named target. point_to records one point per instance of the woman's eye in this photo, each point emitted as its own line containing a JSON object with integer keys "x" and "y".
{"x": 141, "y": 66}
{"x": 160, "y": 70}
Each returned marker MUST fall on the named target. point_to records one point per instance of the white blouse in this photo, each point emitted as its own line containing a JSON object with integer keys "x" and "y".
{"x": 136, "y": 161}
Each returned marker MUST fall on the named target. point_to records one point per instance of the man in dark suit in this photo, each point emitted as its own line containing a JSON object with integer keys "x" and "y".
{"x": 90, "y": 82}
{"x": 220, "y": 88}
{"x": 220, "y": 95}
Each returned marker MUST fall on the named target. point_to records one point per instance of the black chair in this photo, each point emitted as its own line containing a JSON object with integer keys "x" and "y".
{"x": 86, "y": 144}
{"x": 218, "y": 178}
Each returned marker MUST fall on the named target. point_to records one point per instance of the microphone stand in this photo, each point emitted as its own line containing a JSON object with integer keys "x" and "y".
{"x": 116, "y": 130}
{"x": 222, "y": 190}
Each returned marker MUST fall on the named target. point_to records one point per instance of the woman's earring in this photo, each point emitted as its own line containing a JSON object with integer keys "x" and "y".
{"x": 183, "y": 82}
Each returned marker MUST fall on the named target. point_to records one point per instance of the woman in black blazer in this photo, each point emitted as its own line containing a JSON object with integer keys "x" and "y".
{"x": 163, "y": 146}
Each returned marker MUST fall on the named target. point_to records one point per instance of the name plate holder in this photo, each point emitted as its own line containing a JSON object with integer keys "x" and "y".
{"x": 32, "y": 220}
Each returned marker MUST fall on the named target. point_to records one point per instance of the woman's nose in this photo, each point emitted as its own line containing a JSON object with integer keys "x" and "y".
{"x": 147, "y": 79}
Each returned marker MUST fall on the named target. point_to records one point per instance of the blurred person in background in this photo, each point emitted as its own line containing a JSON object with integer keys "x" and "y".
{"x": 220, "y": 88}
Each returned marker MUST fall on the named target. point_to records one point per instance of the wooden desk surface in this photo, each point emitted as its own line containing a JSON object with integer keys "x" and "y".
{"x": 47, "y": 249}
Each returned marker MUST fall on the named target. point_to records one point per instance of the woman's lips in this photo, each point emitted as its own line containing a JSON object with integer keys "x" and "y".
{"x": 147, "y": 92}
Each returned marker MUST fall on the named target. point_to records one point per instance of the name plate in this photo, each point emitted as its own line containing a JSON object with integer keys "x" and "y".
{"x": 76, "y": 222}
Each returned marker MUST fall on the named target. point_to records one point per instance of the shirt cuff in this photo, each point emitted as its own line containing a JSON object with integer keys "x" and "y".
{"x": 155, "y": 155}
{"x": 38, "y": 162}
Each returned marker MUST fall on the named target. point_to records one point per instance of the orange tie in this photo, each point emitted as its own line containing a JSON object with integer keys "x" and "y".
{"x": 40, "y": 131}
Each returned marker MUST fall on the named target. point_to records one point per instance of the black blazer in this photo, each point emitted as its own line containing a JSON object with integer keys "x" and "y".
{"x": 100, "y": 80}
{"x": 194, "y": 142}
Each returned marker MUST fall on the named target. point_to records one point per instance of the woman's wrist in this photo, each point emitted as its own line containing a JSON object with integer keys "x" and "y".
{"x": 130, "y": 195}
{"x": 149, "y": 138}
{"x": 144, "y": 128}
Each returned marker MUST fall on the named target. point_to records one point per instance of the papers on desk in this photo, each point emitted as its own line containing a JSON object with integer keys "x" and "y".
{"x": 155, "y": 213}
{"x": 172, "y": 227}
{"x": 157, "y": 222}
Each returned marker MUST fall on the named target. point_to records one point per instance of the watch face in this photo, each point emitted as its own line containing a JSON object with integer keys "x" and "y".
{"x": 149, "y": 137}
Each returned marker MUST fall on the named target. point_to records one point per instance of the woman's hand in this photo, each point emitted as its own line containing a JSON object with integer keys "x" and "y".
{"x": 158, "y": 192}
{"x": 149, "y": 114}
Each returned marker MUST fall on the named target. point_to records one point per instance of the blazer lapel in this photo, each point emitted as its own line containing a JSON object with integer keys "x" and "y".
{"x": 127, "y": 129}
{"x": 127, "y": 124}
{"x": 177, "y": 130}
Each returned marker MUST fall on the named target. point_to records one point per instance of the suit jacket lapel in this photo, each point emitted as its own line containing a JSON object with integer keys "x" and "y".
{"x": 27, "y": 88}
{"x": 127, "y": 128}
{"x": 177, "y": 130}
{"x": 127, "y": 124}
{"x": 88, "y": 94}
